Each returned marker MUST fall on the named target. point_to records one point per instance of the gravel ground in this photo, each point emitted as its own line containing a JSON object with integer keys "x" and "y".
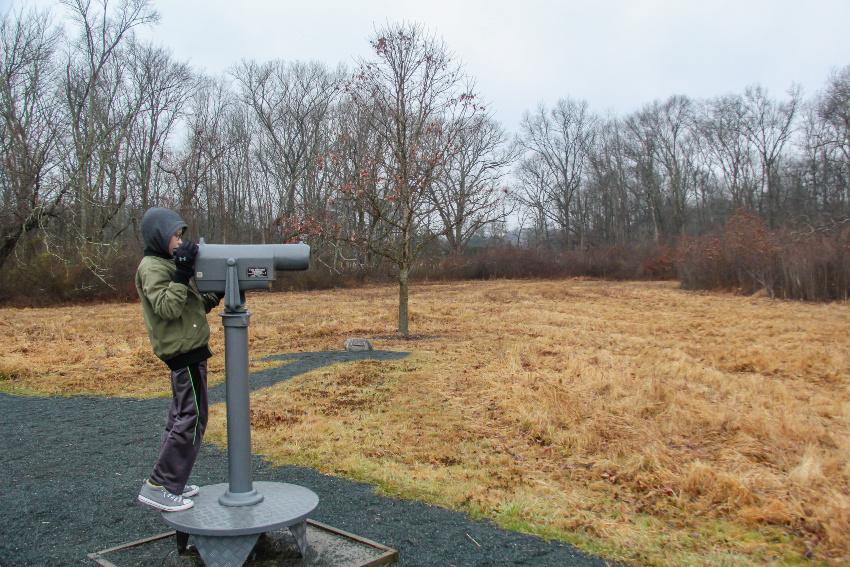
{"x": 71, "y": 469}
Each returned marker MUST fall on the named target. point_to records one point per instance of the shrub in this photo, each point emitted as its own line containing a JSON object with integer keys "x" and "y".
{"x": 36, "y": 277}
{"x": 618, "y": 262}
{"x": 502, "y": 262}
{"x": 747, "y": 257}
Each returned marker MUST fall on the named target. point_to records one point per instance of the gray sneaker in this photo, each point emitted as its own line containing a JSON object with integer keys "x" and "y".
{"x": 159, "y": 497}
{"x": 190, "y": 490}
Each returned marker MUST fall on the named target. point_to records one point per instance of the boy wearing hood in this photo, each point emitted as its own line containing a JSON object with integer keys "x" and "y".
{"x": 175, "y": 316}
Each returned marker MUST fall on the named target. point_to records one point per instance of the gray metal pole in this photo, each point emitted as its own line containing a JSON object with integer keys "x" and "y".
{"x": 241, "y": 492}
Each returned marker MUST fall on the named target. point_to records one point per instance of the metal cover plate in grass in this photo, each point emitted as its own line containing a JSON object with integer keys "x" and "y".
{"x": 326, "y": 547}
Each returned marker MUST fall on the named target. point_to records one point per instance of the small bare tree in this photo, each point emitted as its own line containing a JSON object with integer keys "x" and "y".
{"x": 405, "y": 111}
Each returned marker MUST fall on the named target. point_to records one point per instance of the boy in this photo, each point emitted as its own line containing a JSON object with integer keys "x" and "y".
{"x": 175, "y": 316}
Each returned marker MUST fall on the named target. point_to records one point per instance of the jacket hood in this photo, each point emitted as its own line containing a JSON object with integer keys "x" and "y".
{"x": 158, "y": 226}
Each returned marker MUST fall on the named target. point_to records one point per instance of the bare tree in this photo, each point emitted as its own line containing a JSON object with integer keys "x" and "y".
{"x": 677, "y": 143}
{"x": 833, "y": 108}
{"x": 828, "y": 141}
{"x": 664, "y": 153}
{"x": 164, "y": 86}
{"x": 102, "y": 108}
{"x": 768, "y": 125}
{"x": 609, "y": 182}
{"x": 31, "y": 191}
{"x": 562, "y": 140}
{"x": 470, "y": 194}
{"x": 727, "y": 150}
{"x": 231, "y": 207}
{"x": 641, "y": 148}
{"x": 190, "y": 169}
{"x": 292, "y": 104}
{"x": 405, "y": 105}
{"x": 535, "y": 181}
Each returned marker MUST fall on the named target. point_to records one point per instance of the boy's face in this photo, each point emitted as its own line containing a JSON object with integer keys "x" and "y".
{"x": 176, "y": 240}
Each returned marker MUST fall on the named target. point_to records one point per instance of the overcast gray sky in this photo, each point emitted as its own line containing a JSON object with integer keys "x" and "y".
{"x": 616, "y": 54}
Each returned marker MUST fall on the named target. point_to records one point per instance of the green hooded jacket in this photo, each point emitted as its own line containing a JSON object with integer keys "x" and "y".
{"x": 175, "y": 314}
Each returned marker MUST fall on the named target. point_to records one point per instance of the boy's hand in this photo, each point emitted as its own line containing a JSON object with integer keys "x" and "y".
{"x": 184, "y": 259}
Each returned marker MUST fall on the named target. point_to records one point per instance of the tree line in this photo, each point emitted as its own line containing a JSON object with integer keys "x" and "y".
{"x": 380, "y": 166}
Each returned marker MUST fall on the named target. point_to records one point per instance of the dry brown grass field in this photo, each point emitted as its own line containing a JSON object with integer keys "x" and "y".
{"x": 636, "y": 420}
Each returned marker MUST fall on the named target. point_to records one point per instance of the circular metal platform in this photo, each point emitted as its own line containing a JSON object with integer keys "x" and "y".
{"x": 284, "y": 505}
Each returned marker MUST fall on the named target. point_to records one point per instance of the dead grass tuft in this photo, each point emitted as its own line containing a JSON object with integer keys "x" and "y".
{"x": 100, "y": 349}
{"x": 13, "y": 366}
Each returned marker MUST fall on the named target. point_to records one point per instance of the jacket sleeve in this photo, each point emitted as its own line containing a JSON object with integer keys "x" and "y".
{"x": 166, "y": 297}
{"x": 210, "y": 301}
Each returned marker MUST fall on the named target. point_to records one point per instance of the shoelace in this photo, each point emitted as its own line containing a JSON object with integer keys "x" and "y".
{"x": 171, "y": 496}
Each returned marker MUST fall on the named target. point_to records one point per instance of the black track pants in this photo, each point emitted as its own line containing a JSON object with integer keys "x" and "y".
{"x": 187, "y": 421}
